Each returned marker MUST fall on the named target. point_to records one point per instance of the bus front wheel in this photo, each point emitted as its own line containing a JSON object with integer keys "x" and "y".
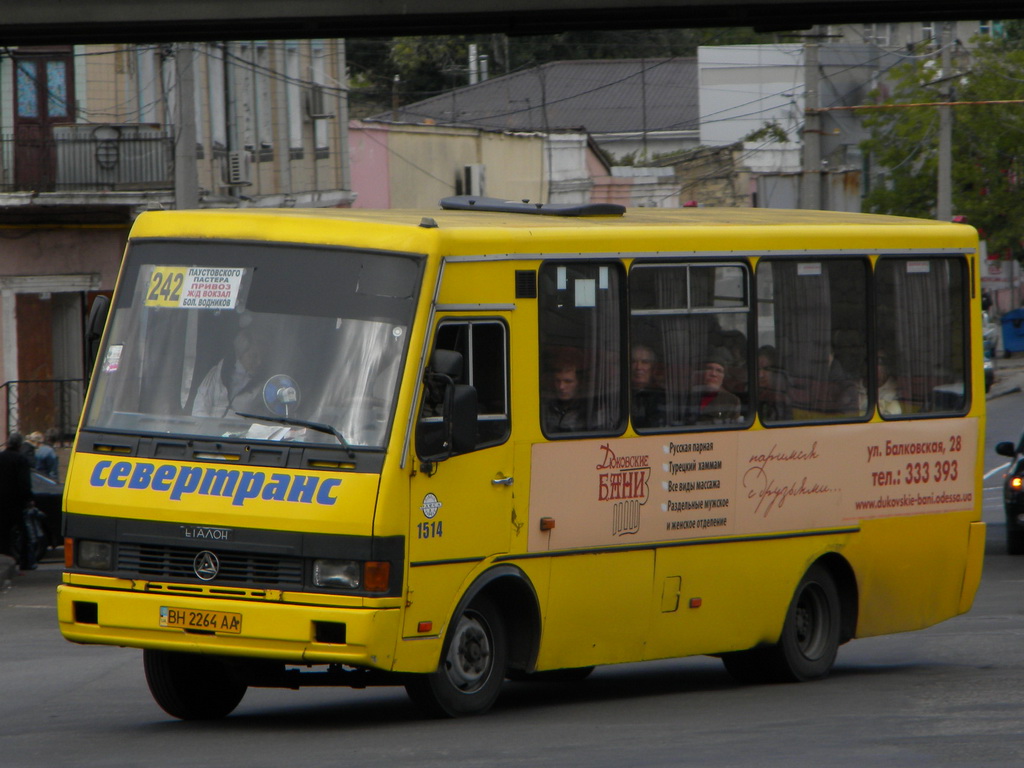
{"x": 191, "y": 687}
{"x": 810, "y": 637}
{"x": 472, "y": 668}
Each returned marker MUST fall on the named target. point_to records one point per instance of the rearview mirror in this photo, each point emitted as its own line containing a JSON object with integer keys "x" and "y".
{"x": 1006, "y": 449}
{"x": 448, "y": 422}
{"x": 94, "y": 327}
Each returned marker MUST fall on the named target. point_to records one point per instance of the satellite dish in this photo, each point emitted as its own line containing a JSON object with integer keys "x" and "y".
{"x": 280, "y": 394}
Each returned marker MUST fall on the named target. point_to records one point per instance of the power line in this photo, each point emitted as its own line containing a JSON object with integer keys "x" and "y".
{"x": 867, "y": 107}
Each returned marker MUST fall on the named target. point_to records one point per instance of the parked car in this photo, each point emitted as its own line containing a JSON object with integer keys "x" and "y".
{"x": 989, "y": 342}
{"x": 989, "y": 336}
{"x": 1013, "y": 496}
{"x": 49, "y": 494}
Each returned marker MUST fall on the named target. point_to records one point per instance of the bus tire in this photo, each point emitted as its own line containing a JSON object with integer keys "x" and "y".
{"x": 191, "y": 687}
{"x": 472, "y": 669}
{"x": 810, "y": 637}
{"x": 1015, "y": 542}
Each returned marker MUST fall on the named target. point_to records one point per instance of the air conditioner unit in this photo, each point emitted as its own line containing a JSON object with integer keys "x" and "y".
{"x": 239, "y": 168}
{"x": 472, "y": 181}
{"x": 316, "y": 108}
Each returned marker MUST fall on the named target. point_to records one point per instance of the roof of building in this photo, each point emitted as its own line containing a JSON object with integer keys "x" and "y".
{"x": 600, "y": 96}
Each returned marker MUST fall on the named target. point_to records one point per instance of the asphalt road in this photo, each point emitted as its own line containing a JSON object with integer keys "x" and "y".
{"x": 951, "y": 695}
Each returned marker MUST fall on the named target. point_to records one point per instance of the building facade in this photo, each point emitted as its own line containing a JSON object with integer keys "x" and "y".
{"x": 92, "y": 135}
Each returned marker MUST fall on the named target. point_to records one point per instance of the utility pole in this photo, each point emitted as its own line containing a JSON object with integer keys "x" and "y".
{"x": 474, "y": 64}
{"x": 944, "y": 193}
{"x": 186, "y": 175}
{"x": 342, "y": 72}
{"x": 810, "y": 179}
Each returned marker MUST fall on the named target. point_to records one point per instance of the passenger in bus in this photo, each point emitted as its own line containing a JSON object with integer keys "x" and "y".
{"x": 565, "y": 409}
{"x": 235, "y": 383}
{"x": 841, "y": 390}
{"x": 648, "y": 399}
{"x": 888, "y": 391}
{"x": 735, "y": 344}
{"x": 773, "y": 402}
{"x": 716, "y": 405}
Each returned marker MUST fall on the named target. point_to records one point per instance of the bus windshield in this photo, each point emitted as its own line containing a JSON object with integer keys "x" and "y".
{"x": 248, "y": 341}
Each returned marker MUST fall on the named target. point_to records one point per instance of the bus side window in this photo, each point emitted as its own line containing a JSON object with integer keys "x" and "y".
{"x": 812, "y": 339}
{"x": 483, "y": 345}
{"x": 583, "y": 349}
{"x": 689, "y": 348}
{"x": 922, "y": 317}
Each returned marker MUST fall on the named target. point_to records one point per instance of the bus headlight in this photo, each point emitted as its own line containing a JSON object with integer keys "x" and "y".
{"x": 340, "y": 574}
{"x": 95, "y": 555}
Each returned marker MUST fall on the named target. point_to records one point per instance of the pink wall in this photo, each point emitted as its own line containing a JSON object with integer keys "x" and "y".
{"x": 369, "y": 157}
{"x": 607, "y": 188}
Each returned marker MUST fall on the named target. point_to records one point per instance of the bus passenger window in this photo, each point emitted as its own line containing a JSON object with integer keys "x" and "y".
{"x": 689, "y": 326}
{"x": 582, "y": 341}
{"x": 812, "y": 339}
{"x": 922, "y": 316}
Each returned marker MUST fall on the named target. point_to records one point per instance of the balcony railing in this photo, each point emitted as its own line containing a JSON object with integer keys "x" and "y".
{"x": 89, "y": 157}
{"x": 39, "y": 405}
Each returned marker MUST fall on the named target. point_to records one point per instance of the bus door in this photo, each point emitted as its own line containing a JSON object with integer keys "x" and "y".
{"x": 461, "y": 506}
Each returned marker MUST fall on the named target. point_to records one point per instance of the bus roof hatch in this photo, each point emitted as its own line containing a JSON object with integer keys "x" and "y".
{"x": 497, "y": 205}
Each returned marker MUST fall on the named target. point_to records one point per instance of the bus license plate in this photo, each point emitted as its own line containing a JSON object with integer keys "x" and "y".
{"x": 209, "y": 621}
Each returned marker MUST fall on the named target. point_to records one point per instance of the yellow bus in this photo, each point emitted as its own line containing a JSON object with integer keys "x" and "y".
{"x": 444, "y": 448}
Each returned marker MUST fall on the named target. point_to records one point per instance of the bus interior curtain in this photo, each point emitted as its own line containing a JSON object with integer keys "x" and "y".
{"x": 803, "y": 328}
{"x": 924, "y": 318}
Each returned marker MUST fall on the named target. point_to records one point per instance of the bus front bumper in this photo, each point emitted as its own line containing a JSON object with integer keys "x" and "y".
{"x": 291, "y": 633}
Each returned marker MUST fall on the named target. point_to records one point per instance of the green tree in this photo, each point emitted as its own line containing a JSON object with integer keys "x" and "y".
{"x": 988, "y": 140}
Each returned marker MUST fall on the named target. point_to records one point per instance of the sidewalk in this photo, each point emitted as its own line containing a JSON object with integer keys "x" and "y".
{"x": 1009, "y": 376}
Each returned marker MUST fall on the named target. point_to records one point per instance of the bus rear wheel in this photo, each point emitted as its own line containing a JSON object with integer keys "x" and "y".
{"x": 192, "y": 687}
{"x": 810, "y": 637}
{"x": 1014, "y": 542}
{"x": 472, "y": 668}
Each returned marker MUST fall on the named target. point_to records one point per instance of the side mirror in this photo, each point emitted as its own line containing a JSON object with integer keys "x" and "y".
{"x": 464, "y": 425}
{"x": 1006, "y": 449}
{"x": 94, "y": 327}
{"x": 448, "y": 423}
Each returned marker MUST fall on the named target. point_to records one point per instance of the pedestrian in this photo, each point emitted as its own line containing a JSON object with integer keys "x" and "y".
{"x": 27, "y": 450}
{"x": 15, "y": 497}
{"x": 46, "y": 456}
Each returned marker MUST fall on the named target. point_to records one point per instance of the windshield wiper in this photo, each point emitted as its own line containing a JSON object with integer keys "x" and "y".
{"x": 327, "y": 429}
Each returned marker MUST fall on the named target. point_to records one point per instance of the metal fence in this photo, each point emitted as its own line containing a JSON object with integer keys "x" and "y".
{"x": 85, "y": 157}
{"x": 42, "y": 404}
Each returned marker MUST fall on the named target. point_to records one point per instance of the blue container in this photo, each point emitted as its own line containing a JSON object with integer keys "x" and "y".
{"x": 1013, "y": 331}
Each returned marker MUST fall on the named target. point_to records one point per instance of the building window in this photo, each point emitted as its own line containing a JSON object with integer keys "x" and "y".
{"x": 318, "y": 75}
{"x": 293, "y": 78}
